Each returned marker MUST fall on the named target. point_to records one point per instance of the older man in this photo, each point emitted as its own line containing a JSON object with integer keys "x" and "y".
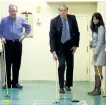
{"x": 64, "y": 40}
{"x": 11, "y": 33}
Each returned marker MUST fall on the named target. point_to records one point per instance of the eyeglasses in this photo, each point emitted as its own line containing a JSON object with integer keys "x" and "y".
{"x": 62, "y": 10}
{"x": 12, "y": 11}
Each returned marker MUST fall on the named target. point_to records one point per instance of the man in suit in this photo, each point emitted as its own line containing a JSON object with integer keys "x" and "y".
{"x": 64, "y": 40}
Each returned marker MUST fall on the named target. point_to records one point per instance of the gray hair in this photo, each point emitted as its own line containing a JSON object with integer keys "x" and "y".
{"x": 11, "y": 5}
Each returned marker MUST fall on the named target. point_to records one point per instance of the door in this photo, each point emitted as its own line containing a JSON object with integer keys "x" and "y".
{"x": 81, "y": 56}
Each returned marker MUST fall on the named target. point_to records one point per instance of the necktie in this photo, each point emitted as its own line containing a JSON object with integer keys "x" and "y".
{"x": 64, "y": 32}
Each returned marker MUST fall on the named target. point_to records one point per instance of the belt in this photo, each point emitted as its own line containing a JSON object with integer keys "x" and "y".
{"x": 14, "y": 40}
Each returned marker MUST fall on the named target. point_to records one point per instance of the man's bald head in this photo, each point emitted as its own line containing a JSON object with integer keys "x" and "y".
{"x": 63, "y": 6}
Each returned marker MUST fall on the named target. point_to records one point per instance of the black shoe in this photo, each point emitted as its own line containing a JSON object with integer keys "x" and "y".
{"x": 62, "y": 91}
{"x": 17, "y": 86}
{"x": 4, "y": 87}
{"x": 96, "y": 92}
{"x": 67, "y": 88}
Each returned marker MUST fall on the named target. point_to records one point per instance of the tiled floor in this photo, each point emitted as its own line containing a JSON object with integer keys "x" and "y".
{"x": 44, "y": 93}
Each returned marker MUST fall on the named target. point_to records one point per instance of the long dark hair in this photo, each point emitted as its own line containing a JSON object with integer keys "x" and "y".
{"x": 98, "y": 16}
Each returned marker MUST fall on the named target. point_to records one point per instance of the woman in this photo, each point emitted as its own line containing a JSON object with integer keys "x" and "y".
{"x": 99, "y": 54}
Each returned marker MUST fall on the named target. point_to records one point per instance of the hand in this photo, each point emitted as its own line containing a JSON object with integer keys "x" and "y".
{"x": 55, "y": 56}
{"x": 90, "y": 44}
{"x": 3, "y": 40}
{"x": 95, "y": 57}
{"x": 21, "y": 38}
{"x": 74, "y": 49}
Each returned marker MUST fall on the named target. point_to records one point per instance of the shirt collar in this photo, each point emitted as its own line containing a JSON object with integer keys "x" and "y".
{"x": 63, "y": 19}
{"x": 12, "y": 18}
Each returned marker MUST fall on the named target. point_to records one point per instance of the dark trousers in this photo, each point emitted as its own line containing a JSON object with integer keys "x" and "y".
{"x": 13, "y": 52}
{"x": 66, "y": 60}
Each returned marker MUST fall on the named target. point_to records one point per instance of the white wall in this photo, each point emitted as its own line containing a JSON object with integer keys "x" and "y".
{"x": 101, "y": 8}
{"x": 37, "y": 62}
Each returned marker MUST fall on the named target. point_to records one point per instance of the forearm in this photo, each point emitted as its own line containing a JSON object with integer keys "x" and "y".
{"x": 76, "y": 40}
{"x": 52, "y": 45}
{"x": 27, "y": 30}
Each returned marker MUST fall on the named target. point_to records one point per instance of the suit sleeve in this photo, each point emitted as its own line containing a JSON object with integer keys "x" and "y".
{"x": 52, "y": 36}
{"x": 76, "y": 33}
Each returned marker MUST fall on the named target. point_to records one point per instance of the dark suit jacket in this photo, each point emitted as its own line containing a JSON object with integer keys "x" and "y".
{"x": 56, "y": 32}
